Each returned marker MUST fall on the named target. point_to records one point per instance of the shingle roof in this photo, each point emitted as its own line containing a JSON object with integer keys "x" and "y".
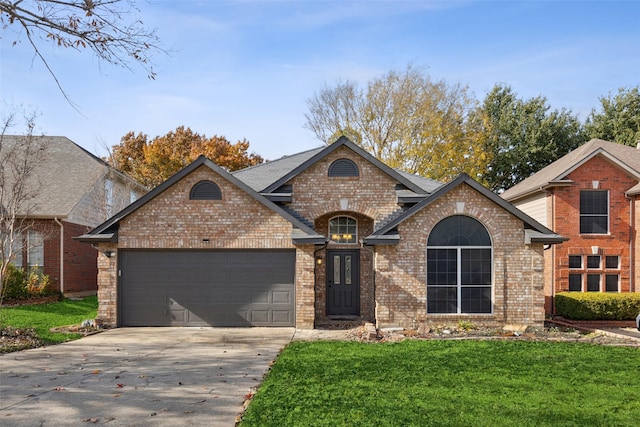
{"x": 65, "y": 175}
{"x": 262, "y": 176}
{"x": 627, "y": 157}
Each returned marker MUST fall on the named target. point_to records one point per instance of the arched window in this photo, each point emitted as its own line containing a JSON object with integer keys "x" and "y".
{"x": 343, "y": 229}
{"x": 205, "y": 190}
{"x": 459, "y": 267}
{"x": 343, "y": 167}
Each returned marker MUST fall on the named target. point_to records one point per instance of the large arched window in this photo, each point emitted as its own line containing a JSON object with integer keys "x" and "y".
{"x": 459, "y": 264}
{"x": 343, "y": 229}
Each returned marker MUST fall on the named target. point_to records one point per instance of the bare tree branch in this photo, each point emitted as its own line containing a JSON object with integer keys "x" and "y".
{"x": 110, "y": 29}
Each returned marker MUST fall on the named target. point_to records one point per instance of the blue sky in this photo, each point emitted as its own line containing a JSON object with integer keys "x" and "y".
{"x": 245, "y": 69}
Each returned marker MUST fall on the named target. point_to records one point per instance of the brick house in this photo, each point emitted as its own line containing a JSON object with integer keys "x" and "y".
{"x": 73, "y": 191}
{"x": 590, "y": 196}
{"x": 324, "y": 235}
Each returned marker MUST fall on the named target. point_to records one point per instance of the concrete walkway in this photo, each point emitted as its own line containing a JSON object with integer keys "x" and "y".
{"x": 139, "y": 376}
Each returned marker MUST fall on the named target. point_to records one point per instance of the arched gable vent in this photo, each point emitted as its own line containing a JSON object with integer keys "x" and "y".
{"x": 205, "y": 190}
{"x": 343, "y": 167}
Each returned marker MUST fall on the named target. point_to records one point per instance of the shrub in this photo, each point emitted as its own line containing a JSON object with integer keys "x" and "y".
{"x": 14, "y": 283}
{"x": 37, "y": 284}
{"x": 597, "y": 306}
{"x": 20, "y": 284}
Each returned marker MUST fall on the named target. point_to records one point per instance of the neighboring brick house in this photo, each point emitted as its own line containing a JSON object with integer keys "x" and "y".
{"x": 329, "y": 234}
{"x": 72, "y": 192}
{"x": 590, "y": 196}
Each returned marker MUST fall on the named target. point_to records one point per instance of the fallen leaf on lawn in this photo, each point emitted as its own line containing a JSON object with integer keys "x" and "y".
{"x": 120, "y": 385}
{"x": 153, "y": 414}
{"x": 141, "y": 376}
{"x": 187, "y": 412}
{"x": 59, "y": 388}
{"x": 91, "y": 420}
{"x": 96, "y": 372}
{"x": 116, "y": 395}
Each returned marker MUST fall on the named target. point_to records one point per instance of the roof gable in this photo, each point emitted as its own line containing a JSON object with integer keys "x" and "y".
{"x": 343, "y": 142}
{"x": 539, "y": 231}
{"x": 107, "y": 230}
{"x": 625, "y": 157}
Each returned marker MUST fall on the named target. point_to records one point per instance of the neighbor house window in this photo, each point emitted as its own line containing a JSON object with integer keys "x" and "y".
{"x": 593, "y": 261}
{"x": 15, "y": 251}
{"x": 575, "y": 261}
{"x": 35, "y": 251}
{"x": 459, "y": 267}
{"x": 593, "y": 283}
{"x": 612, "y": 262}
{"x": 575, "y": 282}
{"x": 108, "y": 196}
{"x": 594, "y": 212}
{"x": 598, "y": 273}
{"x": 612, "y": 283}
{"x": 343, "y": 229}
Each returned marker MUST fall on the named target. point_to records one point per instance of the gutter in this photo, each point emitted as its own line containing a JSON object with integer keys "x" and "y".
{"x": 57, "y": 221}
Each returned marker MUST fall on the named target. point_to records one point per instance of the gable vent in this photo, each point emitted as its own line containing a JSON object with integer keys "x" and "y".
{"x": 205, "y": 190}
{"x": 343, "y": 167}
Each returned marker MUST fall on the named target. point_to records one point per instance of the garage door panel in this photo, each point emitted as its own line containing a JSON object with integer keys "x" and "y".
{"x": 199, "y": 288}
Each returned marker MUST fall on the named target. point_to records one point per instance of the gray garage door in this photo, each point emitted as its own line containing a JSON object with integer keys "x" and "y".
{"x": 207, "y": 288}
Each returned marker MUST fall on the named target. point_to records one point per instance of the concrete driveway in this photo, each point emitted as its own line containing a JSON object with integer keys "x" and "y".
{"x": 139, "y": 376}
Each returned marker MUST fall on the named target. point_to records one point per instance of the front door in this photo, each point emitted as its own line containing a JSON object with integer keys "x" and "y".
{"x": 343, "y": 283}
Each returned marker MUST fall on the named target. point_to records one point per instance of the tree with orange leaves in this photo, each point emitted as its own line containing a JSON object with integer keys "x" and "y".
{"x": 151, "y": 162}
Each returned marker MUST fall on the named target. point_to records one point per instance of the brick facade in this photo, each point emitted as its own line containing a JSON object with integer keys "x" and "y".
{"x": 564, "y": 206}
{"x": 392, "y": 277}
{"x": 517, "y": 269}
{"x": 79, "y": 260}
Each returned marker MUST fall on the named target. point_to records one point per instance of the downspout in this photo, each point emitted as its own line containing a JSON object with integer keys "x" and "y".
{"x": 553, "y": 255}
{"x": 57, "y": 221}
{"x": 631, "y": 244}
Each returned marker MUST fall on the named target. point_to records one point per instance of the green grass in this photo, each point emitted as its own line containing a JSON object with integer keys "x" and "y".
{"x": 46, "y": 316}
{"x": 449, "y": 383}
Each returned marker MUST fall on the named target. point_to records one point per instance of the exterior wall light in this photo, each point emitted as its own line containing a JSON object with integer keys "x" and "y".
{"x": 108, "y": 254}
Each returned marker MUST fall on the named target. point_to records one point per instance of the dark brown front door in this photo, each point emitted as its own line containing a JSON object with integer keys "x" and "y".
{"x": 343, "y": 283}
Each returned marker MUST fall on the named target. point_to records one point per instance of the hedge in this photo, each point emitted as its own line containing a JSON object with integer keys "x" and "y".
{"x": 597, "y": 306}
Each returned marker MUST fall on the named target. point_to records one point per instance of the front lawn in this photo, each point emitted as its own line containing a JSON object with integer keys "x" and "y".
{"x": 449, "y": 383}
{"x": 46, "y": 316}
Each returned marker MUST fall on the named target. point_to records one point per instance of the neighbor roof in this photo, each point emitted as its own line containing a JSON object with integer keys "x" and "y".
{"x": 628, "y": 158}
{"x": 66, "y": 173}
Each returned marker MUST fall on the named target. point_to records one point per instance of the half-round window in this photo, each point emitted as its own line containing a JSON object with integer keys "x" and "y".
{"x": 205, "y": 190}
{"x": 459, "y": 267}
{"x": 343, "y": 167}
{"x": 343, "y": 229}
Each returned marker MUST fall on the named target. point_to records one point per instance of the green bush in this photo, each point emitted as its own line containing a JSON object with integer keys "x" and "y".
{"x": 14, "y": 283}
{"x": 597, "y": 306}
{"x": 20, "y": 284}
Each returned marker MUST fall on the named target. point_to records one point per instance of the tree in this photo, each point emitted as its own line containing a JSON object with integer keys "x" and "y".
{"x": 619, "y": 118}
{"x": 524, "y": 136}
{"x": 151, "y": 162}
{"x": 407, "y": 120}
{"x": 108, "y": 28}
{"x": 19, "y": 156}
